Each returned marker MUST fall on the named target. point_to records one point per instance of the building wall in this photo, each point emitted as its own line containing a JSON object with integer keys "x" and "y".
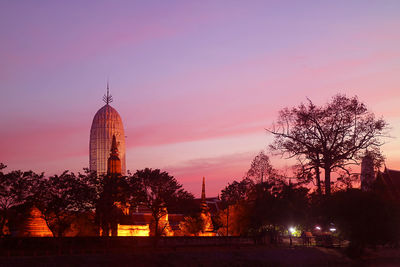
{"x": 133, "y": 230}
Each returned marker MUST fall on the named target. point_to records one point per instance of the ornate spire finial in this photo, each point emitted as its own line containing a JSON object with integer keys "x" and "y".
{"x": 107, "y": 98}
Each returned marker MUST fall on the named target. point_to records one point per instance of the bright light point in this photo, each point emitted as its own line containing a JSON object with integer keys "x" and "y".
{"x": 317, "y": 227}
{"x": 292, "y": 230}
{"x": 332, "y": 229}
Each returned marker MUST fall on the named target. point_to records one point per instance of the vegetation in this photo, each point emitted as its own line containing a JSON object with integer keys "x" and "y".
{"x": 114, "y": 193}
{"x": 60, "y": 198}
{"x": 16, "y": 188}
{"x": 157, "y": 191}
{"x": 192, "y": 225}
{"x": 329, "y": 137}
{"x": 260, "y": 168}
{"x": 364, "y": 218}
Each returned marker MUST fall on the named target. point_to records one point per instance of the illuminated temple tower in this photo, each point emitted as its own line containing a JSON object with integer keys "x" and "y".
{"x": 208, "y": 229}
{"x": 114, "y": 163}
{"x": 106, "y": 123}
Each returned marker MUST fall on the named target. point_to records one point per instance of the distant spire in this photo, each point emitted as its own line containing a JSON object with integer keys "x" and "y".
{"x": 203, "y": 205}
{"x": 203, "y": 190}
{"x": 107, "y": 98}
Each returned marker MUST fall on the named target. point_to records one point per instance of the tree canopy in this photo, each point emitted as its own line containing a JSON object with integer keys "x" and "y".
{"x": 328, "y": 137}
{"x": 16, "y": 187}
{"x": 60, "y": 198}
{"x": 157, "y": 190}
{"x": 260, "y": 168}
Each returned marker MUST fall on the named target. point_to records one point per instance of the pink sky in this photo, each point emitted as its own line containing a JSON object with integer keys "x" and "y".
{"x": 195, "y": 83}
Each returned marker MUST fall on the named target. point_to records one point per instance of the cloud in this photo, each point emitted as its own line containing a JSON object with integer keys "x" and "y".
{"x": 34, "y": 140}
{"x": 218, "y": 171}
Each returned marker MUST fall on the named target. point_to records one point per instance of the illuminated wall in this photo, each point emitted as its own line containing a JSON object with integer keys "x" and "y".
{"x": 35, "y": 225}
{"x": 133, "y": 230}
{"x": 208, "y": 225}
{"x": 106, "y": 123}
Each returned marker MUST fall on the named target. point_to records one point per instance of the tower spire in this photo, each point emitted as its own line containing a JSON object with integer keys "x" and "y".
{"x": 114, "y": 163}
{"x": 114, "y": 149}
{"x": 203, "y": 190}
{"x": 203, "y": 195}
{"x": 107, "y": 98}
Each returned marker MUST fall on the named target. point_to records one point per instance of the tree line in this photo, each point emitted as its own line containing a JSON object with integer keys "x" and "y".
{"x": 64, "y": 198}
{"x": 325, "y": 142}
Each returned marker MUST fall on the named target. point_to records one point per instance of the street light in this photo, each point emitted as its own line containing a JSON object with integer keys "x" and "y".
{"x": 292, "y": 230}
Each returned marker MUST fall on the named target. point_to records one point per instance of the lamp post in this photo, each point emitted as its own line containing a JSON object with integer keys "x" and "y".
{"x": 291, "y": 231}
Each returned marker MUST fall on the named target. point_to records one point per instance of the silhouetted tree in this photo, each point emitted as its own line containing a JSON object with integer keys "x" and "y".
{"x": 233, "y": 194}
{"x": 261, "y": 168}
{"x": 157, "y": 191}
{"x": 16, "y": 187}
{"x": 60, "y": 199}
{"x": 94, "y": 185}
{"x": 234, "y": 220}
{"x": 329, "y": 137}
{"x": 295, "y": 202}
{"x": 192, "y": 225}
{"x": 363, "y": 218}
{"x": 236, "y": 191}
{"x": 114, "y": 195}
{"x": 183, "y": 203}
{"x": 276, "y": 205}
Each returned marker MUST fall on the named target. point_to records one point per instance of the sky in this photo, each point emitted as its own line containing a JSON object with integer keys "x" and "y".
{"x": 195, "y": 82}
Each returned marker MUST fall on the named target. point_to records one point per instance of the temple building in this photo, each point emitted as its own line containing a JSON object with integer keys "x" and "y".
{"x": 106, "y": 124}
{"x": 107, "y": 158}
{"x": 114, "y": 166}
{"x": 385, "y": 183}
{"x": 205, "y": 214}
{"x": 367, "y": 173}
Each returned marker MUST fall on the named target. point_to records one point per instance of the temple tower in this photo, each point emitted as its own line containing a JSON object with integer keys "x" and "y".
{"x": 205, "y": 214}
{"x": 367, "y": 172}
{"x": 203, "y": 196}
{"x": 106, "y": 124}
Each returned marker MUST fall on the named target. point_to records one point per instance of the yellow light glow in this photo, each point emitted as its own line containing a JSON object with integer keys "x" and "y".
{"x": 133, "y": 230}
{"x": 207, "y": 234}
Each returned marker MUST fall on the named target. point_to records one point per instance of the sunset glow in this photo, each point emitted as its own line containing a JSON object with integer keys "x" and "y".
{"x": 196, "y": 83}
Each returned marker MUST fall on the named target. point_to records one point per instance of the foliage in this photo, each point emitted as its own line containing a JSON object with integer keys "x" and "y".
{"x": 192, "y": 225}
{"x": 113, "y": 194}
{"x": 236, "y": 192}
{"x": 16, "y": 187}
{"x": 157, "y": 191}
{"x": 60, "y": 198}
{"x": 329, "y": 137}
{"x": 363, "y": 218}
{"x": 280, "y": 208}
{"x": 255, "y": 208}
{"x": 261, "y": 168}
{"x": 234, "y": 220}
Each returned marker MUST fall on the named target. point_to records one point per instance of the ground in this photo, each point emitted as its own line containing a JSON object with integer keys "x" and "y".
{"x": 200, "y": 256}
{"x": 214, "y": 256}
